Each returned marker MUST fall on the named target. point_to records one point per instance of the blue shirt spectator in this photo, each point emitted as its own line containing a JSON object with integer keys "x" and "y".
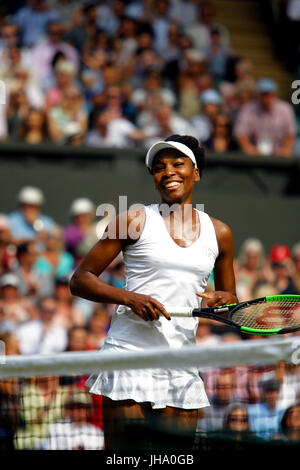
{"x": 264, "y": 418}
{"x": 27, "y": 221}
{"x": 33, "y": 21}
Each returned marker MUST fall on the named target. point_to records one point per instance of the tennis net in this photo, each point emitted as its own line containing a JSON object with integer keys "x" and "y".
{"x": 253, "y": 387}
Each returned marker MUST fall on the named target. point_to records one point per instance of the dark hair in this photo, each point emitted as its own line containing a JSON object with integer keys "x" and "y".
{"x": 25, "y": 128}
{"x": 22, "y": 248}
{"x": 193, "y": 144}
{"x": 283, "y": 424}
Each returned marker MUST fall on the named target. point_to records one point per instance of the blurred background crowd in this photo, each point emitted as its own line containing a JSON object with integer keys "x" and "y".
{"x": 123, "y": 73}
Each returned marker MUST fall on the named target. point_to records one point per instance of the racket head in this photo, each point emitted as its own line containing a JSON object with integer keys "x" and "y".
{"x": 277, "y": 314}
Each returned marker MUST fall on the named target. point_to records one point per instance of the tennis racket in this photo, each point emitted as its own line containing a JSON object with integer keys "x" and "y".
{"x": 272, "y": 315}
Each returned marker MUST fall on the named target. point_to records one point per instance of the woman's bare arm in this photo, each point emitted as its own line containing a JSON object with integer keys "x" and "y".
{"x": 85, "y": 281}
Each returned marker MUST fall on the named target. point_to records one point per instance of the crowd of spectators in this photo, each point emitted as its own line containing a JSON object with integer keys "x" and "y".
{"x": 38, "y": 315}
{"x": 122, "y": 73}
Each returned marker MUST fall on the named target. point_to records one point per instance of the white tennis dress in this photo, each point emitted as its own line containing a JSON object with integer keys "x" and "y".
{"x": 155, "y": 265}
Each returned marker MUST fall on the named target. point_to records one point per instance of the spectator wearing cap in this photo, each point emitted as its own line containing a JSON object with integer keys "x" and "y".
{"x": 42, "y": 335}
{"x": 267, "y": 125}
{"x": 264, "y": 417}
{"x": 28, "y": 221}
{"x": 281, "y": 266}
{"x": 83, "y": 226}
{"x": 211, "y": 104}
{"x": 75, "y": 432}
{"x": 15, "y": 308}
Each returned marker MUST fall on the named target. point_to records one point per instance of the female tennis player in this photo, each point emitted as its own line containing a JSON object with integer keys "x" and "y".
{"x": 167, "y": 264}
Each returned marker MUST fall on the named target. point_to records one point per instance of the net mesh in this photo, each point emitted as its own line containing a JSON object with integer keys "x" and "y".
{"x": 253, "y": 388}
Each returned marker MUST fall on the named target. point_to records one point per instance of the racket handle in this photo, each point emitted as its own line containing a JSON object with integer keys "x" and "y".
{"x": 173, "y": 311}
{"x": 180, "y": 311}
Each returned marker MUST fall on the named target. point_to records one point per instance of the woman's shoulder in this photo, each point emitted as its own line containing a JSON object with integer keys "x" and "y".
{"x": 223, "y": 231}
{"x": 219, "y": 224}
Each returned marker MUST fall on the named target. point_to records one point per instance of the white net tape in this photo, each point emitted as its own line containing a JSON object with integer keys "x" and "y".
{"x": 265, "y": 351}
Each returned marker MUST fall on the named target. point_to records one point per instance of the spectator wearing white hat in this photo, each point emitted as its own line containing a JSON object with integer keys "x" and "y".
{"x": 82, "y": 229}
{"x": 27, "y": 222}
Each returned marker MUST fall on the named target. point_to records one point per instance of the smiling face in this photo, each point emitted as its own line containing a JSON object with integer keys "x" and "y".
{"x": 174, "y": 176}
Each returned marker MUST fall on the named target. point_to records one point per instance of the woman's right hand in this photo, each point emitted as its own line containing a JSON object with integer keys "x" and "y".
{"x": 146, "y": 307}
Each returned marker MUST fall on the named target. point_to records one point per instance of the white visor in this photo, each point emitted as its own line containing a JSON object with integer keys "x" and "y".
{"x": 155, "y": 148}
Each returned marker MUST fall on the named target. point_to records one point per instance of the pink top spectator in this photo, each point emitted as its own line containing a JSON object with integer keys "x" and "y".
{"x": 257, "y": 124}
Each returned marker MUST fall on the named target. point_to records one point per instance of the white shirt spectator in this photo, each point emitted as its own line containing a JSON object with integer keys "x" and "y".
{"x": 117, "y": 135}
{"x": 140, "y": 95}
{"x": 71, "y": 436}
{"x": 176, "y": 125}
{"x": 34, "y": 340}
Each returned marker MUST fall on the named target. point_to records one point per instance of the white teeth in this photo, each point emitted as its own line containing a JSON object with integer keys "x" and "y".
{"x": 171, "y": 185}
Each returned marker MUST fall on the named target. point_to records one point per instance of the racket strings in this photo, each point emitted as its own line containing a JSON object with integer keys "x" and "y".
{"x": 268, "y": 315}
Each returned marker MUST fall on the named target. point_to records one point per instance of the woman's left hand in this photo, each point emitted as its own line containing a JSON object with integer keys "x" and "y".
{"x": 218, "y": 297}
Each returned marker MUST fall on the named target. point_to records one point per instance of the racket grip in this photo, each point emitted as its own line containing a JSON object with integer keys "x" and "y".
{"x": 173, "y": 311}
{"x": 180, "y": 311}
